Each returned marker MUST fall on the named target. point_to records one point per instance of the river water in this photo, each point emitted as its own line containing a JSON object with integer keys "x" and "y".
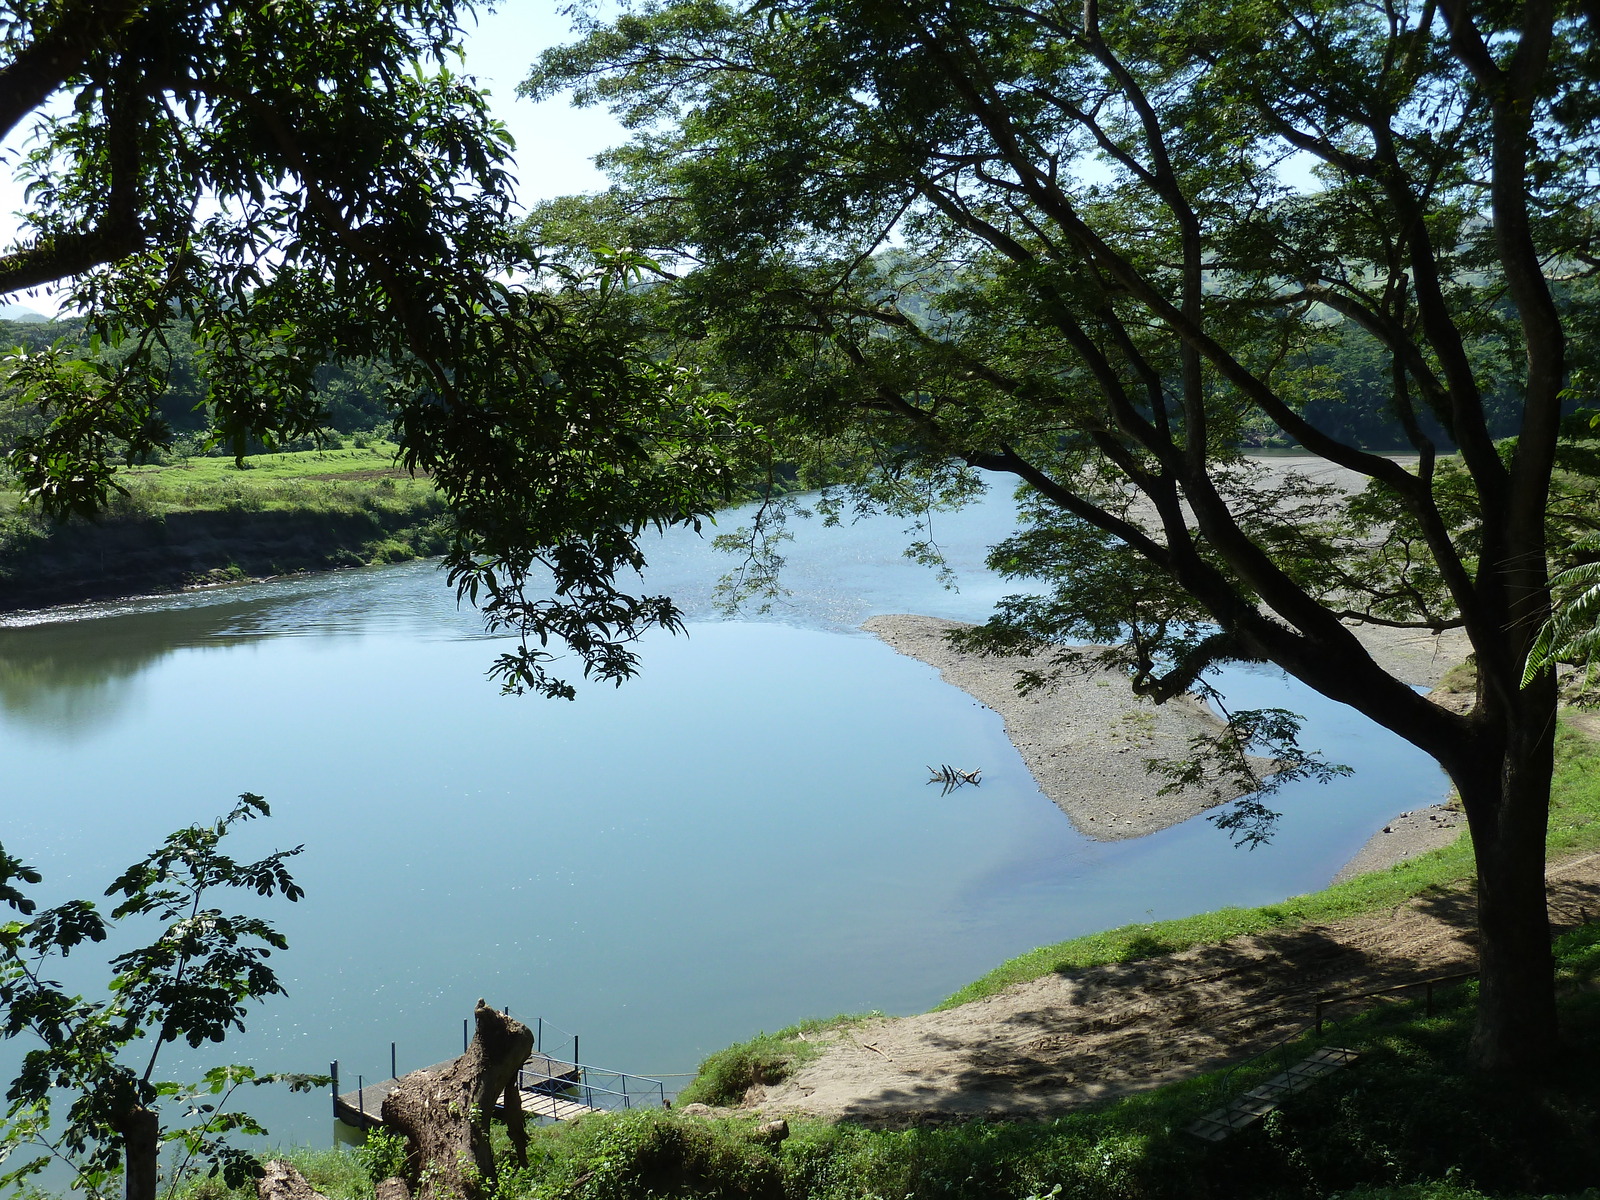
{"x": 740, "y": 837}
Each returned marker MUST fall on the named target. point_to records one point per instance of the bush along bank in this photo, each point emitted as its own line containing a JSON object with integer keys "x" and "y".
{"x": 181, "y": 527}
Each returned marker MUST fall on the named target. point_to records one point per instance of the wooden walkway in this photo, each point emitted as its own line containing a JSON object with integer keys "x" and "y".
{"x": 547, "y": 1086}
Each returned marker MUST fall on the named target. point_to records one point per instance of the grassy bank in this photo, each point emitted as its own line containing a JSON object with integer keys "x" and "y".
{"x": 1574, "y": 826}
{"x": 207, "y": 520}
{"x": 1410, "y": 1114}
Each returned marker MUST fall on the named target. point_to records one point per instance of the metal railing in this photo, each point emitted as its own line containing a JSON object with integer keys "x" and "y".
{"x": 1323, "y": 1002}
{"x": 591, "y": 1087}
{"x": 588, "y": 1085}
{"x": 570, "y": 1085}
{"x": 1281, "y": 1052}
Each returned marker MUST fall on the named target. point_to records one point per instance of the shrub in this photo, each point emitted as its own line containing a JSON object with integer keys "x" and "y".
{"x": 383, "y": 1155}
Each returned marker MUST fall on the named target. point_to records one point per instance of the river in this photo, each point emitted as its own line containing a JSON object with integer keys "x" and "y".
{"x": 740, "y": 837}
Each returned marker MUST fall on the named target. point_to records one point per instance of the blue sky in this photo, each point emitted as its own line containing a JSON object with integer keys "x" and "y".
{"x": 555, "y": 142}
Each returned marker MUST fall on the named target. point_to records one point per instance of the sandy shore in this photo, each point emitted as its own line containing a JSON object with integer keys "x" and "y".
{"x": 1086, "y": 738}
{"x": 1406, "y": 836}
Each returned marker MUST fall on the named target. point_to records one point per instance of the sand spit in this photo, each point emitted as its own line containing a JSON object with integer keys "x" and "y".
{"x": 1085, "y": 738}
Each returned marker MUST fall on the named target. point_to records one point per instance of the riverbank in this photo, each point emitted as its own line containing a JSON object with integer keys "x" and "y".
{"x": 207, "y": 521}
{"x": 1086, "y": 737}
{"x": 1067, "y": 1040}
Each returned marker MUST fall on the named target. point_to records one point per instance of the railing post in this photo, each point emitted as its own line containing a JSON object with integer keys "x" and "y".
{"x": 393, "y": 1071}
{"x": 463, "y": 1035}
{"x": 333, "y": 1070}
{"x": 538, "y": 1037}
{"x": 361, "y": 1099}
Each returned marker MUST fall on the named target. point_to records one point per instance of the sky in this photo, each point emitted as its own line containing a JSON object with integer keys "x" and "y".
{"x": 556, "y": 143}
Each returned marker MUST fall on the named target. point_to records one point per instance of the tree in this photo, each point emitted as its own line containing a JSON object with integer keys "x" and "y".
{"x": 1064, "y": 242}
{"x": 194, "y": 981}
{"x": 307, "y": 182}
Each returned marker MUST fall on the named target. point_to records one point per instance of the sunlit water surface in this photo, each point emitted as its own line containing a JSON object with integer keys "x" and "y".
{"x": 740, "y": 837}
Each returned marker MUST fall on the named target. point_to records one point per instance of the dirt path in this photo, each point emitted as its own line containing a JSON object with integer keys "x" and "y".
{"x": 1066, "y": 1040}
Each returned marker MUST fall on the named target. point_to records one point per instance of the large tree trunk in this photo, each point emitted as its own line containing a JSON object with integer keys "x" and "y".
{"x": 1507, "y": 798}
{"x": 140, "y": 1128}
{"x": 445, "y": 1115}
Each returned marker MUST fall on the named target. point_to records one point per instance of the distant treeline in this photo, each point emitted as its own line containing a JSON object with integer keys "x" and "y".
{"x": 353, "y": 393}
{"x": 1350, "y": 399}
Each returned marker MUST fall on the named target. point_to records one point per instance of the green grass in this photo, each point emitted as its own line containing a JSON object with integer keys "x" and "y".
{"x": 312, "y": 480}
{"x": 336, "y": 1173}
{"x": 207, "y": 520}
{"x": 1574, "y": 826}
{"x": 724, "y": 1078}
{"x": 309, "y": 480}
{"x": 265, "y": 468}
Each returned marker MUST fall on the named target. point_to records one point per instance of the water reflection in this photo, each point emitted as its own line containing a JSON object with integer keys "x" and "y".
{"x": 70, "y": 677}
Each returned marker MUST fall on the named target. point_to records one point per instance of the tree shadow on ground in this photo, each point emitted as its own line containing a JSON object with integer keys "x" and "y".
{"x": 1085, "y": 1036}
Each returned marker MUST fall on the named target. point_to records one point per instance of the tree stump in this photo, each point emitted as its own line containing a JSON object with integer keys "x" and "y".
{"x": 444, "y": 1114}
{"x": 282, "y": 1181}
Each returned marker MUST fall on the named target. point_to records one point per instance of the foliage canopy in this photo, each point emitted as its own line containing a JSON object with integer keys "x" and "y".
{"x": 195, "y": 981}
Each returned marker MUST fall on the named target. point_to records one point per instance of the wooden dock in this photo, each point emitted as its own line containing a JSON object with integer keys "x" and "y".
{"x": 548, "y": 1088}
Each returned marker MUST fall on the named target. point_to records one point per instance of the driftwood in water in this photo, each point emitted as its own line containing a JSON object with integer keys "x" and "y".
{"x": 953, "y": 777}
{"x": 444, "y": 1113}
{"x": 283, "y": 1181}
